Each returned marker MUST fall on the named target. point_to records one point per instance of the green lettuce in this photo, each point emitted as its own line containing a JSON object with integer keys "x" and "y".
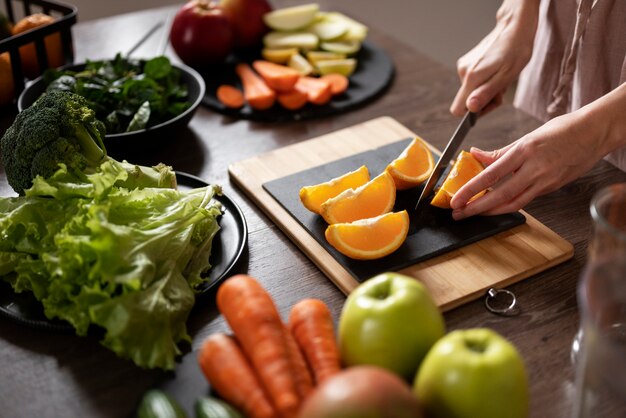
{"x": 127, "y": 261}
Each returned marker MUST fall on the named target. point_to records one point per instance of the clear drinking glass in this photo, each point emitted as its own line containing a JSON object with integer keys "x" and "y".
{"x": 599, "y": 350}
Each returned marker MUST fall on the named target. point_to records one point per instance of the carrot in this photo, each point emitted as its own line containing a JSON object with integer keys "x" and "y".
{"x": 302, "y": 374}
{"x": 293, "y": 100}
{"x": 279, "y": 77}
{"x": 338, "y": 83}
{"x": 258, "y": 94}
{"x": 231, "y": 375}
{"x": 311, "y": 324}
{"x": 318, "y": 91}
{"x": 253, "y": 317}
{"x": 230, "y": 96}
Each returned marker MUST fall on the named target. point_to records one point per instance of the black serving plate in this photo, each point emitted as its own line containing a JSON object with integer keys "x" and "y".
{"x": 373, "y": 75}
{"x": 228, "y": 246}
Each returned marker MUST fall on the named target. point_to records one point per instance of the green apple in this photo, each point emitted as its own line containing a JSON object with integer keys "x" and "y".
{"x": 389, "y": 321}
{"x": 473, "y": 373}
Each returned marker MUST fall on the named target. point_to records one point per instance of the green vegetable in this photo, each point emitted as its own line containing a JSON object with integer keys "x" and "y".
{"x": 157, "y": 404}
{"x": 60, "y": 128}
{"x": 119, "y": 89}
{"x": 209, "y": 407}
{"x": 125, "y": 260}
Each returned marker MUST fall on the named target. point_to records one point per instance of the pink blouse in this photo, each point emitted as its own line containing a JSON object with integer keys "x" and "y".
{"x": 579, "y": 55}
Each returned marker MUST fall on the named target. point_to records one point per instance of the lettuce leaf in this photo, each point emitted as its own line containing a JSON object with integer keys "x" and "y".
{"x": 127, "y": 261}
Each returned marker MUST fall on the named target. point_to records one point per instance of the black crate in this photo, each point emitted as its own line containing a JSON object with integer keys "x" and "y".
{"x": 65, "y": 17}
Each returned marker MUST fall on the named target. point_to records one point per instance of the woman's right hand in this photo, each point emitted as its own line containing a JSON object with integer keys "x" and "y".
{"x": 487, "y": 71}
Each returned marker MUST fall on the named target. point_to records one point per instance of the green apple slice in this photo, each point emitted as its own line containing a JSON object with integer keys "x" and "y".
{"x": 344, "y": 67}
{"x": 328, "y": 30}
{"x": 300, "y": 40}
{"x": 300, "y": 64}
{"x": 342, "y": 47}
{"x": 278, "y": 56}
{"x": 315, "y": 56}
{"x": 291, "y": 18}
{"x": 356, "y": 30}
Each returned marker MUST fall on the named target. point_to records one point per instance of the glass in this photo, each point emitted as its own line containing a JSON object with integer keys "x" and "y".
{"x": 599, "y": 349}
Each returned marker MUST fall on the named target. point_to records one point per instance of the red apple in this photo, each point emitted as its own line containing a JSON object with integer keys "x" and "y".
{"x": 202, "y": 34}
{"x": 248, "y": 24}
{"x": 362, "y": 391}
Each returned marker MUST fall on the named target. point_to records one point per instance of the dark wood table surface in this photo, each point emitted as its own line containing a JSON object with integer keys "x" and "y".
{"x": 46, "y": 374}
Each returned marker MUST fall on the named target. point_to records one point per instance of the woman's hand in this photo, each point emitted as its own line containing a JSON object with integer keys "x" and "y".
{"x": 490, "y": 67}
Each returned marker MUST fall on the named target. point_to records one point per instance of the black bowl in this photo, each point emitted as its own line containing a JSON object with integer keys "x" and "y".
{"x": 195, "y": 87}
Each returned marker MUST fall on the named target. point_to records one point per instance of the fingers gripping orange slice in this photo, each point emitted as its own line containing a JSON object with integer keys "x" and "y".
{"x": 464, "y": 169}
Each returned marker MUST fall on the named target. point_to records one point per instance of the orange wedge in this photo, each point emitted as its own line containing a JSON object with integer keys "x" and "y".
{"x": 374, "y": 198}
{"x": 312, "y": 197}
{"x": 464, "y": 169}
{"x": 413, "y": 165}
{"x": 372, "y": 238}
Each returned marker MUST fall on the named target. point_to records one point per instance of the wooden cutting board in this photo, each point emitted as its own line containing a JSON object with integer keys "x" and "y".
{"x": 452, "y": 278}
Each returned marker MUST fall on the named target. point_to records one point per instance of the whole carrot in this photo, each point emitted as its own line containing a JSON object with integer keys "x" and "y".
{"x": 302, "y": 374}
{"x": 311, "y": 324}
{"x": 253, "y": 317}
{"x": 228, "y": 370}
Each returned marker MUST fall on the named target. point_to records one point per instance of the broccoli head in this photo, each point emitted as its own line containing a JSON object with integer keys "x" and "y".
{"x": 60, "y": 128}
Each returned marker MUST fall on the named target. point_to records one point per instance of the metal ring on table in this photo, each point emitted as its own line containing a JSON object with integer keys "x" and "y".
{"x": 493, "y": 294}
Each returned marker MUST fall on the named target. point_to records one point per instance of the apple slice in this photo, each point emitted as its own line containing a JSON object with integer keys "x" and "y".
{"x": 342, "y": 47}
{"x": 356, "y": 30}
{"x": 291, "y": 18}
{"x": 328, "y": 30}
{"x": 300, "y": 64}
{"x": 315, "y": 56}
{"x": 278, "y": 56}
{"x": 344, "y": 67}
{"x": 300, "y": 40}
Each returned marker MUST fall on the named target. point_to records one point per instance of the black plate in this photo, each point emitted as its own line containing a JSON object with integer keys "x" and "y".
{"x": 195, "y": 89}
{"x": 228, "y": 246}
{"x": 373, "y": 75}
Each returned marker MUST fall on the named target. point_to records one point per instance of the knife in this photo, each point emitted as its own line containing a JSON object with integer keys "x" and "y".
{"x": 467, "y": 122}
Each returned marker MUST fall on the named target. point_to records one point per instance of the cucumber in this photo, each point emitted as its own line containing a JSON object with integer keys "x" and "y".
{"x": 157, "y": 404}
{"x": 214, "y": 408}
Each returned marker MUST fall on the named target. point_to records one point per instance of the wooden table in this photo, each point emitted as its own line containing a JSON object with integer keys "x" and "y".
{"x": 43, "y": 374}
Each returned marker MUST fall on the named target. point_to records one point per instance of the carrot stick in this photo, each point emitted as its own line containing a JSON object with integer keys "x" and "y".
{"x": 293, "y": 100}
{"x": 230, "y": 96}
{"x": 231, "y": 374}
{"x": 258, "y": 94}
{"x": 338, "y": 83}
{"x": 302, "y": 374}
{"x": 318, "y": 91}
{"x": 279, "y": 77}
{"x": 253, "y": 317}
{"x": 311, "y": 324}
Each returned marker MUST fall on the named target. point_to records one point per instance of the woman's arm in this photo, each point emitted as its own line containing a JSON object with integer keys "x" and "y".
{"x": 551, "y": 156}
{"x": 489, "y": 68}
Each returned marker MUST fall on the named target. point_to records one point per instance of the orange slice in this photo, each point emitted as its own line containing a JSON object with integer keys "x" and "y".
{"x": 465, "y": 168}
{"x": 413, "y": 165}
{"x": 367, "y": 201}
{"x": 312, "y": 197}
{"x": 372, "y": 238}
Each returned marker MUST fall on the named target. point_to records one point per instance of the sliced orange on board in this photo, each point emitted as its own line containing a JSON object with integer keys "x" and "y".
{"x": 312, "y": 197}
{"x": 374, "y": 198}
{"x": 413, "y": 166}
{"x": 371, "y": 238}
{"x": 464, "y": 169}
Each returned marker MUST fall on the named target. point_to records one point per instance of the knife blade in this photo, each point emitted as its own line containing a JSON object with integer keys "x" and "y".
{"x": 453, "y": 145}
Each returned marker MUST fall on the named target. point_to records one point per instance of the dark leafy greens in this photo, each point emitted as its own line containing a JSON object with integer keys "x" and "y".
{"x": 127, "y": 95}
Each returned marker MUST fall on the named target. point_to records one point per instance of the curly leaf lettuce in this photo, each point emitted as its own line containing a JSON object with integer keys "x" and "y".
{"x": 124, "y": 260}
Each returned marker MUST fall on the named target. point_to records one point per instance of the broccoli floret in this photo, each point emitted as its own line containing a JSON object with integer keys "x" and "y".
{"x": 60, "y": 128}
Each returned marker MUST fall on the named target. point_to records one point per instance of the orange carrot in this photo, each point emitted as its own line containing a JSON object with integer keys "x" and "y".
{"x": 230, "y": 96}
{"x": 293, "y": 100}
{"x": 258, "y": 94}
{"x": 279, "y": 77}
{"x": 311, "y": 324}
{"x": 318, "y": 91}
{"x": 302, "y": 374}
{"x": 231, "y": 375}
{"x": 253, "y": 317}
{"x": 338, "y": 82}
